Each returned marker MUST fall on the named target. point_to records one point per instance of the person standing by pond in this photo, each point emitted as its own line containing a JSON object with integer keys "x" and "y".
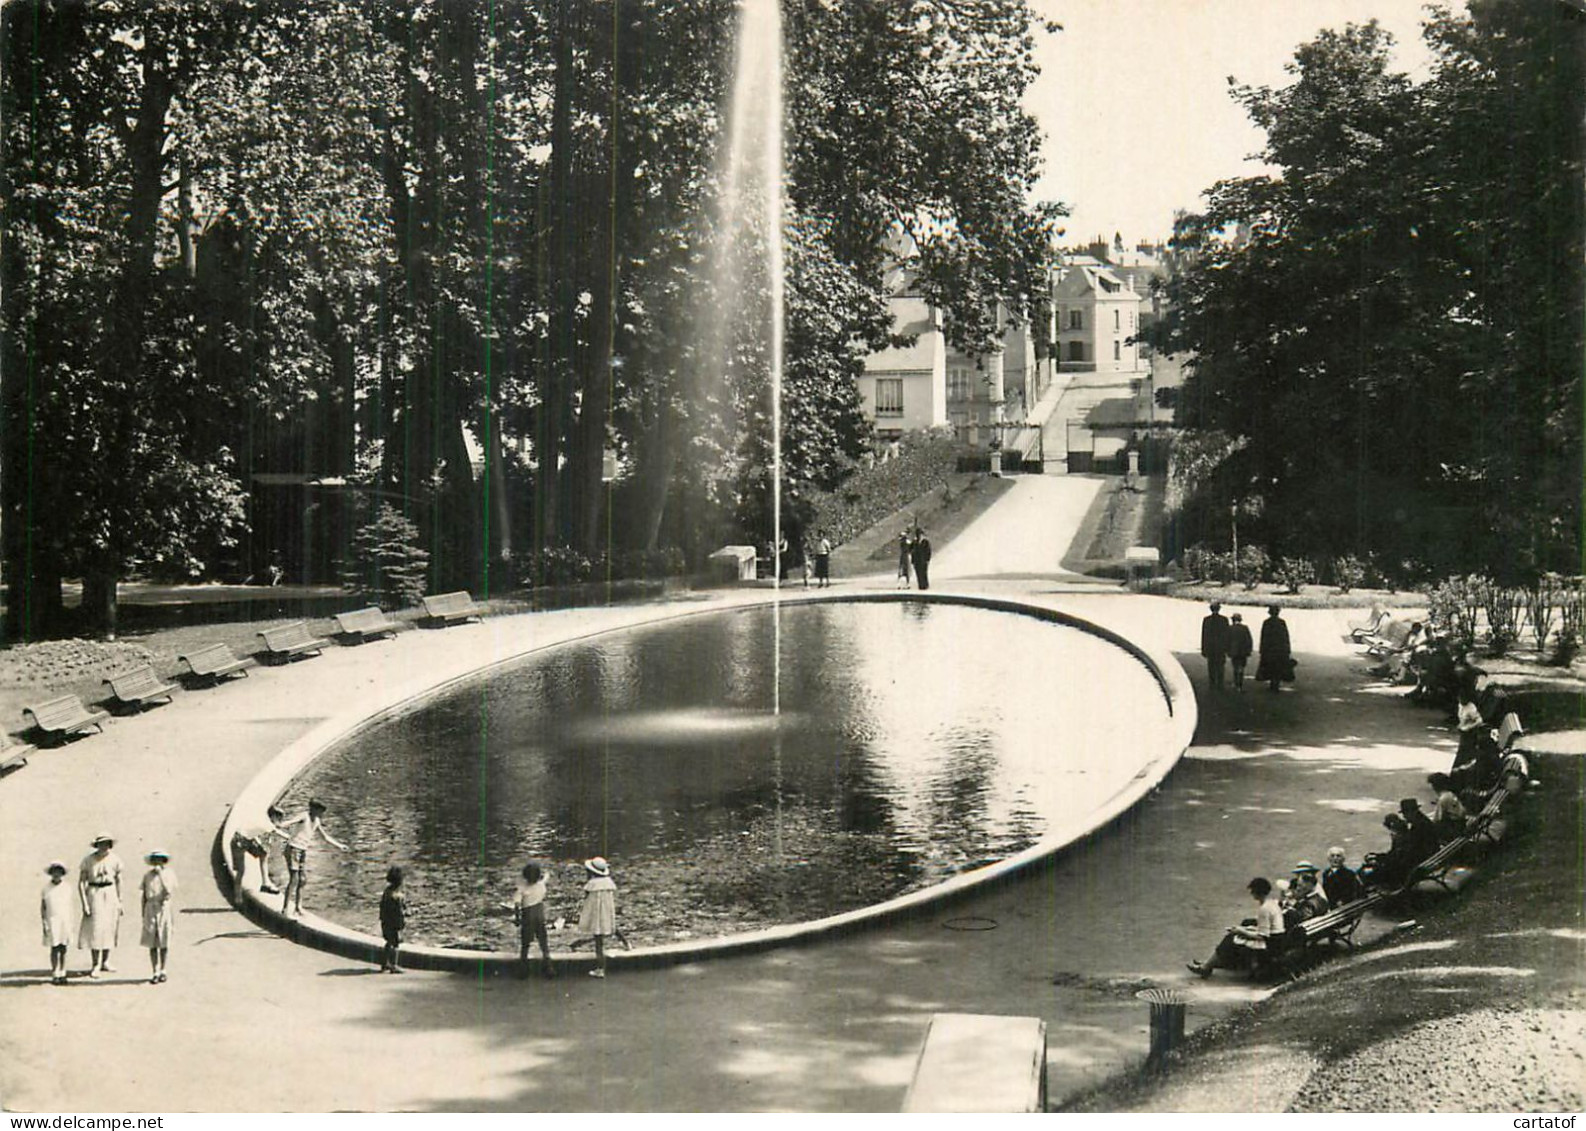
{"x": 529, "y": 912}
{"x": 597, "y": 918}
{"x": 393, "y": 918}
{"x": 920, "y": 554}
{"x": 300, "y": 832}
{"x": 1276, "y": 663}
{"x": 1214, "y": 644}
{"x": 159, "y": 912}
{"x": 905, "y": 563}
{"x": 1239, "y": 648}
{"x": 99, "y": 888}
{"x": 55, "y": 911}
{"x": 823, "y": 561}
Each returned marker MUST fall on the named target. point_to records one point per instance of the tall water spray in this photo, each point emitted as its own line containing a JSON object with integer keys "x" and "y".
{"x": 752, "y": 201}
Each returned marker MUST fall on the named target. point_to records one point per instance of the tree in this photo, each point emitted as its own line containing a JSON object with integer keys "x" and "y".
{"x": 1360, "y": 295}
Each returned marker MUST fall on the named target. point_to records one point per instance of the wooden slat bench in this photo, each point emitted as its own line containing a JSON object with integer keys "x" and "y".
{"x": 1334, "y": 926}
{"x": 1437, "y": 866}
{"x": 450, "y": 608}
{"x": 1481, "y": 823}
{"x": 13, "y": 757}
{"x": 65, "y": 715}
{"x": 215, "y": 662}
{"x": 364, "y": 624}
{"x": 980, "y": 1062}
{"x": 288, "y": 641}
{"x": 138, "y": 687}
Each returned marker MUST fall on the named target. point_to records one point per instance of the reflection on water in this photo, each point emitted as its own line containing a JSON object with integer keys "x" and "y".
{"x": 915, "y": 742}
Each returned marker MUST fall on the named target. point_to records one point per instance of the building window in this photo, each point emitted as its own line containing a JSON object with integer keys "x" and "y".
{"x": 1075, "y": 320}
{"x": 889, "y": 396}
{"x": 959, "y": 384}
{"x": 1076, "y": 351}
{"x": 1117, "y": 352}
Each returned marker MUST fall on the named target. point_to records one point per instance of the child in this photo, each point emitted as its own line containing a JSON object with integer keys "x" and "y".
{"x": 598, "y": 915}
{"x": 254, "y": 842}
{"x": 159, "y": 914}
{"x": 529, "y": 914}
{"x": 300, "y": 832}
{"x": 393, "y": 917}
{"x": 55, "y": 909}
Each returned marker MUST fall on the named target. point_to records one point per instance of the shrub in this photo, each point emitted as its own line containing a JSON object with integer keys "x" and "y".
{"x": 387, "y": 567}
{"x": 1253, "y": 566}
{"x": 1348, "y": 572}
{"x": 1503, "y": 607}
{"x": 554, "y": 565}
{"x": 1294, "y": 574}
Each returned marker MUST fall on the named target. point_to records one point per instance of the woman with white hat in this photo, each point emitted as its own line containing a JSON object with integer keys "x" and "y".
{"x": 99, "y": 888}
{"x": 159, "y": 911}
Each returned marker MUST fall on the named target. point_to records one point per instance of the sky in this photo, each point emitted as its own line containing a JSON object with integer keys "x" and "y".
{"x": 1134, "y": 98}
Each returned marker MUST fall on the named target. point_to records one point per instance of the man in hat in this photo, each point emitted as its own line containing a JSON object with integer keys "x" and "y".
{"x": 99, "y": 888}
{"x": 1214, "y": 644}
{"x": 1422, "y": 840}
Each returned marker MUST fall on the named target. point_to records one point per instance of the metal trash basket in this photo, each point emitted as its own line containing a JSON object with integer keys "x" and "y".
{"x": 1167, "y": 1021}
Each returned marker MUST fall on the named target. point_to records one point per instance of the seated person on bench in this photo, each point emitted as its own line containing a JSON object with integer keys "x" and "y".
{"x": 1253, "y": 941}
{"x": 1391, "y": 868}
{"x": 1479, "y": 763}
{"x": 1340, "y": 883}
{"x": 1449, "y": 816}
{"x": 1423, "y": 838}
{"x": 1305, "y": 899}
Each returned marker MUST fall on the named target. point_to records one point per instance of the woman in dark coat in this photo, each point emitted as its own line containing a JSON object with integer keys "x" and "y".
{"x": 1275, "y": 657}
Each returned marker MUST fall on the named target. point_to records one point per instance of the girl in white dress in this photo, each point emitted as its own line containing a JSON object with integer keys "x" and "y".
{"x": 159, "y": 912}
{"x": 57, "y": 911}
{"x": 598, "y": 915}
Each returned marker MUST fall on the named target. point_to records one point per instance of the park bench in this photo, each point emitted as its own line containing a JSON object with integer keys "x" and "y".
{"x": 364, "y": 624}
{"x": 12, "y": 757}
{"x": 1390, "y": 640}
{"x": 63, "y": 716}
{"x": 215, "y": 662}
{"x": 1437, "y": 866}
{"x": 973, "y": 1062}
{"x": 138, "y": 687}
{"x": 288, "y": 641}
{"x": 450, "y": 608}
{"x": 1334, "y": 926}
{"x": 1359, "y": 630}
{"x": 1481, "y": 824}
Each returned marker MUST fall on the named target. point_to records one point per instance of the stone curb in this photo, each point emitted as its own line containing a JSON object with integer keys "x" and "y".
{"x": 309, "y": 930}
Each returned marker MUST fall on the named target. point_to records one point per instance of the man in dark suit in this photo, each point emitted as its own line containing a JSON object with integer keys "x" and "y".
{"x": 920, "y": 554}
{"x": 1214, "y": 644}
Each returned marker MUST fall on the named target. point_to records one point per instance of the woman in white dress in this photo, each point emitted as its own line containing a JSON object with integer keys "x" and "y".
{"x": 159, "y": 912}
{"x": 99, "y": 888}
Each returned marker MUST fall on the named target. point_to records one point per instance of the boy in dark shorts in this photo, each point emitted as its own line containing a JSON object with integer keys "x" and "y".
{"x": 393, "y": 917}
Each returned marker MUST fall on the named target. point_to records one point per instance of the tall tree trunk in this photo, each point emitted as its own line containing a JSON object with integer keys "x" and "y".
{"x": 554, "y": 419}
{"x": 99, "y": 598}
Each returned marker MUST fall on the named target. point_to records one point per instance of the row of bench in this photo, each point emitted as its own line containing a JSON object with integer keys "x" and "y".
{"x": 1338, "y": 925}
{"x": 58, "y": 718}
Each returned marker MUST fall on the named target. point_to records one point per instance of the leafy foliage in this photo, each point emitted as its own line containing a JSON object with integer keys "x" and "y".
{"x": 1294, "y": 574}
{"x": 1391, "y": 321}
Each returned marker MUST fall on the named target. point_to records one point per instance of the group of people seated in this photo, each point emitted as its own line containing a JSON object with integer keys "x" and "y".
{"x": 1258, "y": 942}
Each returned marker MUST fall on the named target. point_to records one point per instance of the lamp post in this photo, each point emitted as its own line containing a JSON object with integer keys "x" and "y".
{"x": 1233, "y": 522}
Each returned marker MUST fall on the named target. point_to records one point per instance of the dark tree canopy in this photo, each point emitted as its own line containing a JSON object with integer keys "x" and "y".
{"x": 1393, "y": 319}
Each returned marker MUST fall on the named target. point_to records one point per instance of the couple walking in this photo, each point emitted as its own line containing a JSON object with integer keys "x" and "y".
{"x": 1223, "y": 640}
{"x": 914, "y": 554}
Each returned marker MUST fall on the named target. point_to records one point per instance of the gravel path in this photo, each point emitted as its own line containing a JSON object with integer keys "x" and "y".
{"x": 1488, "y": 1060}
